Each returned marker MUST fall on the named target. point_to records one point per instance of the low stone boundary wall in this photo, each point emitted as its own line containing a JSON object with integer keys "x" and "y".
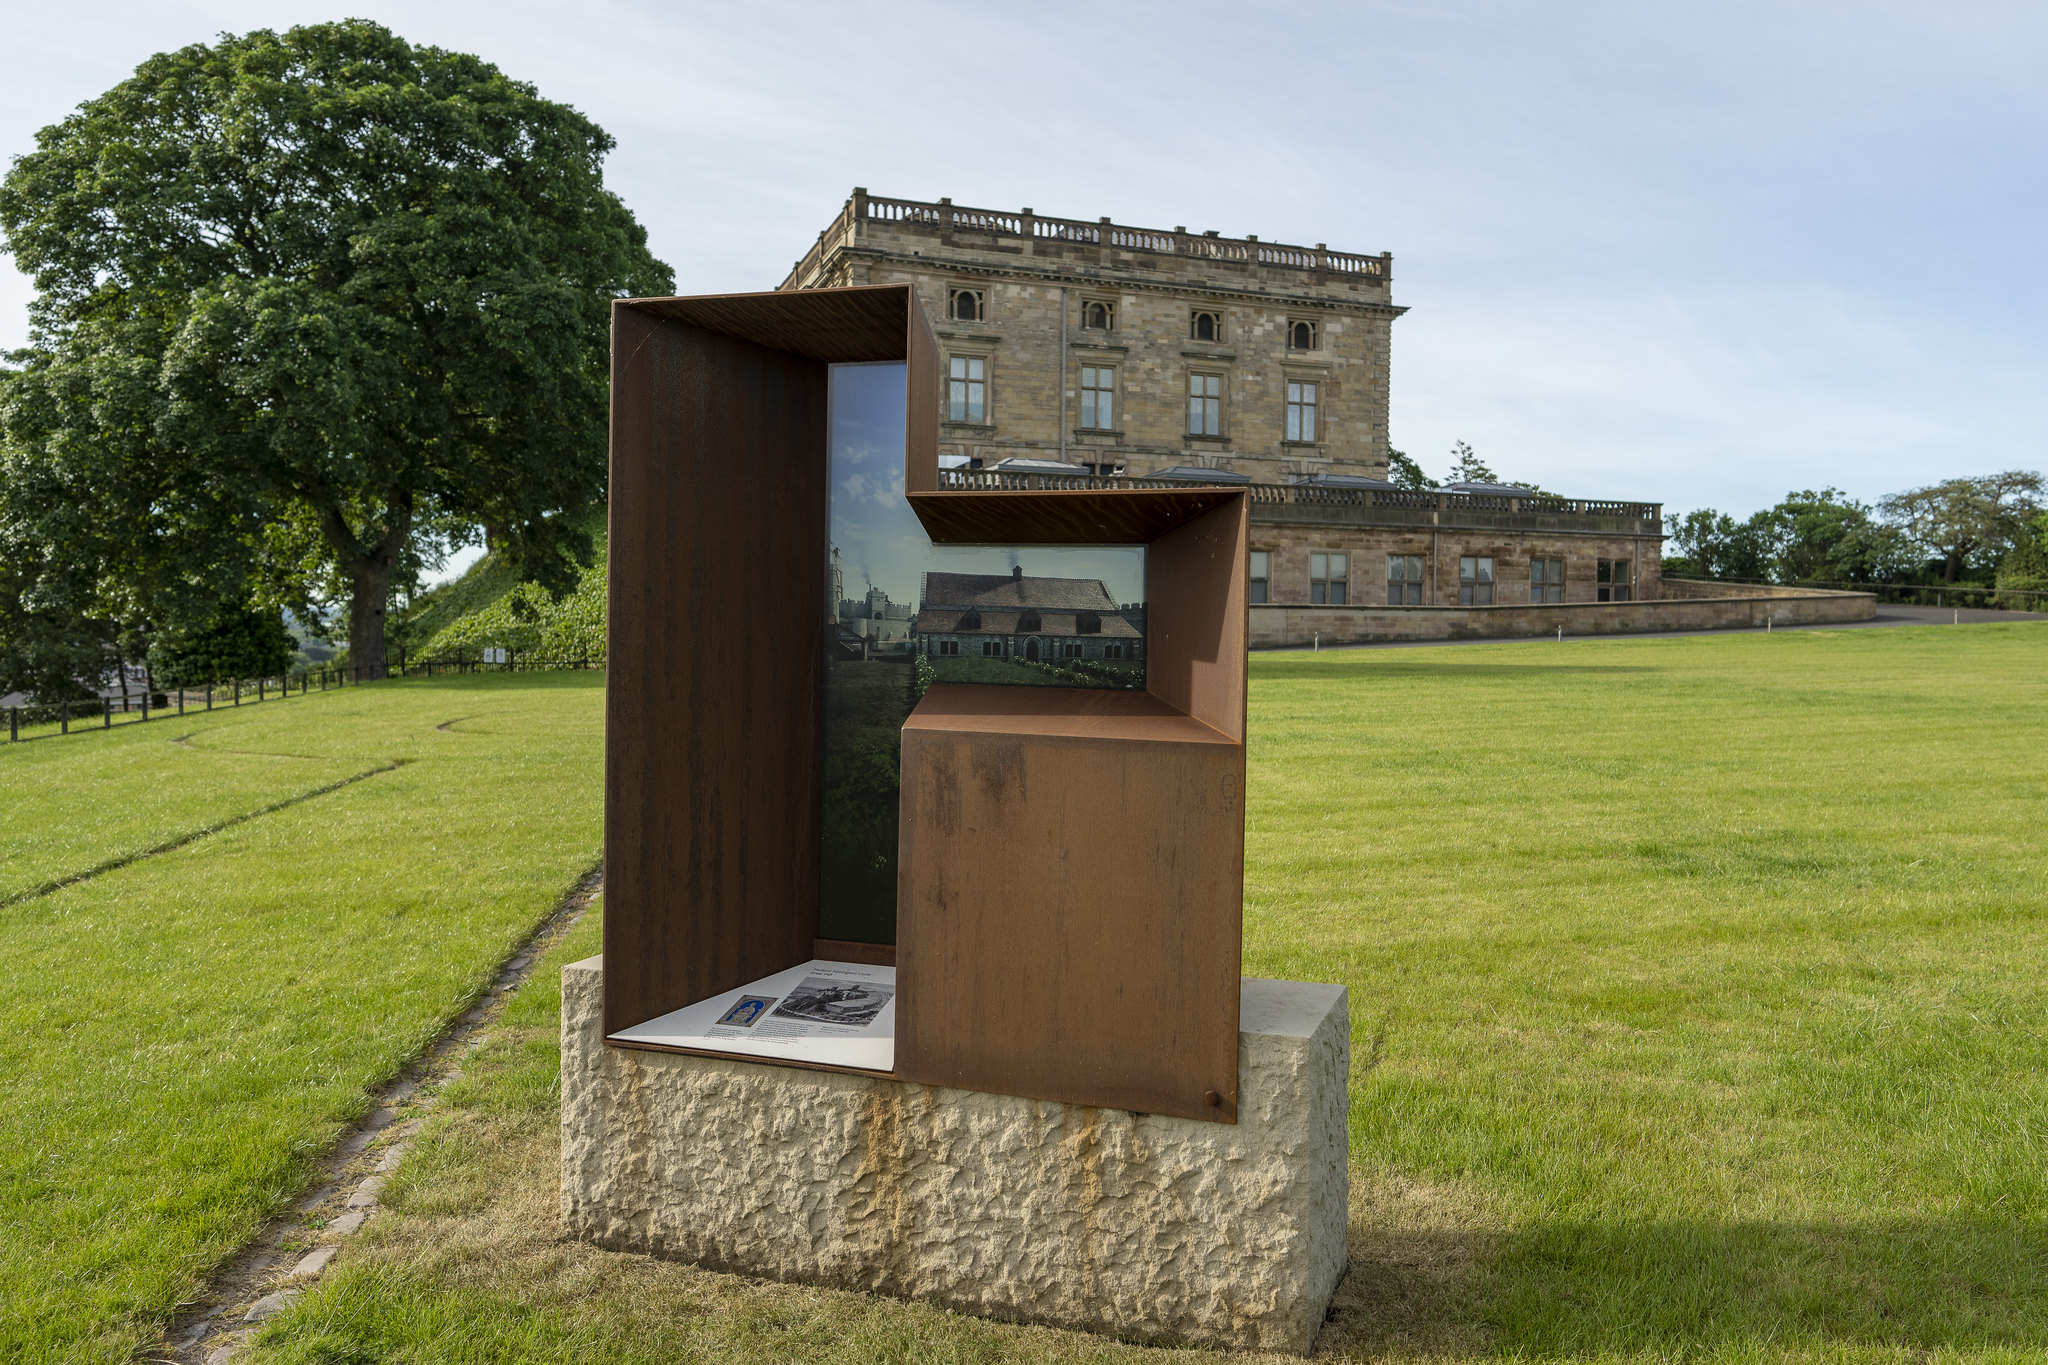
{"x": 1685, "y": 605}
{"x": 1702, "y": 589}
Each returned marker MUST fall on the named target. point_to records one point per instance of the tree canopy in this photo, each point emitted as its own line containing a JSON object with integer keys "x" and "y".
{"x": 1827, "y": 536}
{"x": 306, "y": 302}
{"x": 1466, "y": 467}
{"x": 1403, "y": 471}
{"x": 1958, "y": 518}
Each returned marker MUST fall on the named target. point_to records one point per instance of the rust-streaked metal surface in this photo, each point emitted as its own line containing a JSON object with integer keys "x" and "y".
{"x": 1072, "y": 862}
{"x": 1198, "y": 616}
{"x": 1072, "y": 903}
{"x": 1132, "y": 516}
{"x": 863, "y": 323}
{"x": 1057, "y": 712}
{"x": 920, "y": 399}
{"x": 714, "y": 707}
{"x": 846, "y": 950}
{"x": 717, "y": 541}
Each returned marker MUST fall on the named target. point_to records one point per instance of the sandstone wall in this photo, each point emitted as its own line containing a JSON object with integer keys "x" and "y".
{"x": 1146, "y": 1227}
{"x": 1511, "y": 548}
{"x": 1274, "y": 627}
{"x": 1151, "y": 347}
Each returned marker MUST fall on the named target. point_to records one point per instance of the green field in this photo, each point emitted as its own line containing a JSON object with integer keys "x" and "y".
{"x": 1698, "y": 989}
{"x": 182, "y": 1036}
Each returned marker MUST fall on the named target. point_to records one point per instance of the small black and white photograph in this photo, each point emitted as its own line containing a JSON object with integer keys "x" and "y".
{"x": 745, "y": 1011}
{"x": 821, "y": 999}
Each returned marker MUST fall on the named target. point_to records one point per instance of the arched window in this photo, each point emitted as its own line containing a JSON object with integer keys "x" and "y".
{"x": 1206, "y": 326}
{"x": 965, "y": 305}
{"x": 1301, "y": 336}
{"x": 1099, "y": 316}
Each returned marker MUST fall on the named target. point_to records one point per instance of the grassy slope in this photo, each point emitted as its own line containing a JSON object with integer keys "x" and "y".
{"x": 1697, "y": 987}
{"x": 179, "y": 1038}
{"x": 68, "y": 803}
{"x": 433, "y": 611}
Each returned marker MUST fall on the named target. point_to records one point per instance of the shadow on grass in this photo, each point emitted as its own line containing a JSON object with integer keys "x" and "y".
{"x": 1672, "y": 1289}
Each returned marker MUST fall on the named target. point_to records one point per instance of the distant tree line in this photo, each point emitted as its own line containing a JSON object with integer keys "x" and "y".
{"x": 1465, "y": 467}
{"x": 313, "y": 309}
{"x": 1990, "y": 531}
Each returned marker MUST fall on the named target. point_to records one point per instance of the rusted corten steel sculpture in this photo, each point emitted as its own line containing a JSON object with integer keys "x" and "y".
{"x": 1070, "y": 899}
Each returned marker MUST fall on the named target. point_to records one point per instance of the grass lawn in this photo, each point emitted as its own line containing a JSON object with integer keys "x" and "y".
{"x": 70, "y": 803}
{"x": 182, "y": 1036}
{"x": 1698, "y": 988}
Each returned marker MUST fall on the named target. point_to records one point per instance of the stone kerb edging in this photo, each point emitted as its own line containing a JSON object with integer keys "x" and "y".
{"x": 277, "y": 1265}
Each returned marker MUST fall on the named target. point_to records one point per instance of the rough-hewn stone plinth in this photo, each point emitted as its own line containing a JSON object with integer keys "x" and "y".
{"x": 1144, "y": 1227}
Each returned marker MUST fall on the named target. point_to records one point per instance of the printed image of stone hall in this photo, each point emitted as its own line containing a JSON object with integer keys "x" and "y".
{"x": 1036, "y": 620}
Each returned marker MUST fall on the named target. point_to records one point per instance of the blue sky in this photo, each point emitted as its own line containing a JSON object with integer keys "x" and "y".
{"x": 1700, "y": 255}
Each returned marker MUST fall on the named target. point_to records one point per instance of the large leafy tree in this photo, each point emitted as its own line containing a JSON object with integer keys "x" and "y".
{"x": 305, "y": 299}
{"x": 1828, "y": 535}
{"x": 1713, "y": 544}
{"x": 1957, "y": 520}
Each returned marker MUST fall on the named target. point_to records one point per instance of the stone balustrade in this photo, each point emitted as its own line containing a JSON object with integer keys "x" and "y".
{"x": 1321, "y": 495}
{"x": 946, "y": 216}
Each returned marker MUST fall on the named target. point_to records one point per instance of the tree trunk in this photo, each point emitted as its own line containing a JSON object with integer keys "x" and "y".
{"x": 369, "y": 587}
{"x": 1952, "y": 567}
{"x": 370, "y": 590}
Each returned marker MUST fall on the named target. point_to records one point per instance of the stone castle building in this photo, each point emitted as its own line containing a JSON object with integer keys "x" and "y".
{"x": 1133, "y": 350}
{"x": 1092, "y": 354}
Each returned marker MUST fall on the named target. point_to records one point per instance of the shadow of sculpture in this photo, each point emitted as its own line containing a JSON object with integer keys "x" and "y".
{"x": 1433, "y": 1277}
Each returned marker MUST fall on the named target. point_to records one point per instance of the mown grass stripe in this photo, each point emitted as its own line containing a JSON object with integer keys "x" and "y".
{"x": 192, "y": 836}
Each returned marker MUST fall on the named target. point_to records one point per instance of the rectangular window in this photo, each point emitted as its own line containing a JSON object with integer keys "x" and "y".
{"x": 1614, "y": 579}
{"x": 1475, "y": 582}
{"x": 1546, "y": 580}
{"x": 991, "y": 648}
{"x": 1098, "y": 398}
{"x": 1301, "y": 412}
{"x": 1404, "y": 580}
{"x": 1261, "y": 574}
{"x": 1327, "y": 579}
{"x": 1205, "y": 405}
{"x": 967, "y": 399}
